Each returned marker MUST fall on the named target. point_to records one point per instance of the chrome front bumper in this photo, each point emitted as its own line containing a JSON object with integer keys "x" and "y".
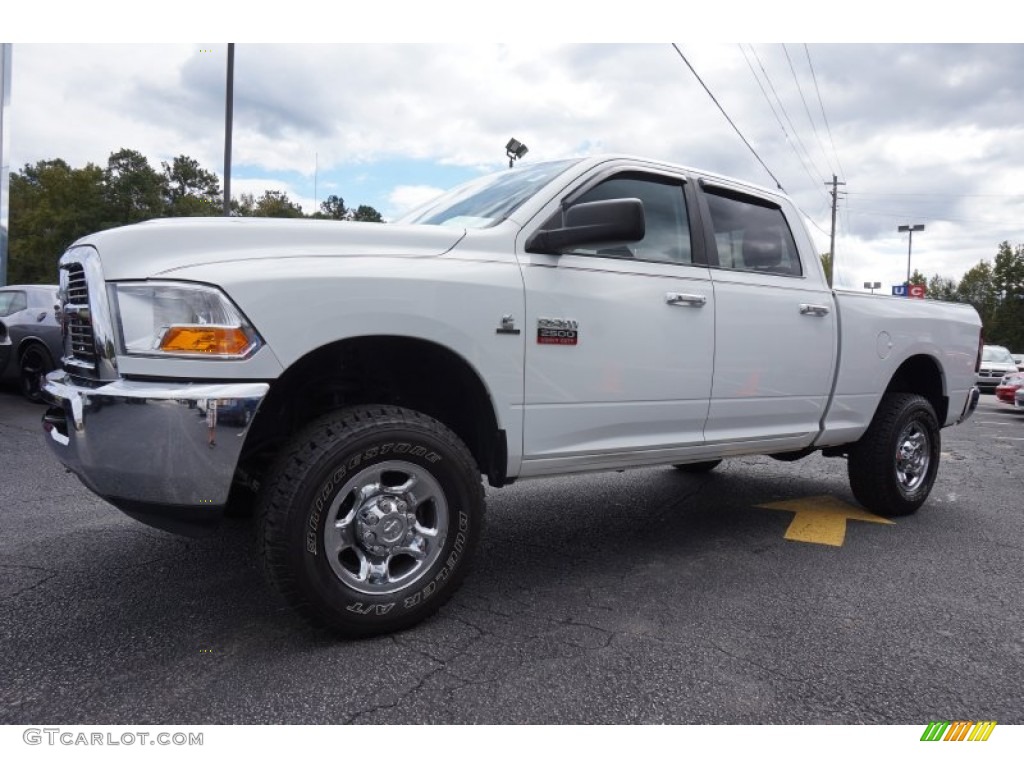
{"x": 147, "y": 447}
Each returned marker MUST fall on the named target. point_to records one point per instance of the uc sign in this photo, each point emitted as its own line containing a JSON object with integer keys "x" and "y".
{"x": 915, "y": 292}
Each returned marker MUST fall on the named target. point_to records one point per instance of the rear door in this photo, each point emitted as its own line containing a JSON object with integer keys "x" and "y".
{"x": 774, "y": 323}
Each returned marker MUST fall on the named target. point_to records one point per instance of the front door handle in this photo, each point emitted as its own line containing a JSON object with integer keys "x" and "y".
{"x": 817, "y": 310}
{"x": 686, "y": 299}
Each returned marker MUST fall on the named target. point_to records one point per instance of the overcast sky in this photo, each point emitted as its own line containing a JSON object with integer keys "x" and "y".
{"x": 920, "y": 133}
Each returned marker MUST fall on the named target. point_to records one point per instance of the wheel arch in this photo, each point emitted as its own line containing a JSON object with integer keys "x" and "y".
{"x": 922, "y": 374}
{"x": 383, "y": 370}
{"x": 28, "y": 341}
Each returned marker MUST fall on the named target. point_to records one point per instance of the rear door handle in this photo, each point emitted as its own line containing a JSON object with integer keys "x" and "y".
{"x": 814, "y": 309}
{"x": 686, "y": 299}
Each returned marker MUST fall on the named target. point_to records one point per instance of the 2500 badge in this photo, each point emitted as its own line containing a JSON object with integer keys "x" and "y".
{"x": 557, "y": 331}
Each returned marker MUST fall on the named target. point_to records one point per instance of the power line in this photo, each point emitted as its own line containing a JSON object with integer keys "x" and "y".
{"x": 785, "y": 114}
{"x": 821, "y": 104}
{"x": 930, "y": 194}
{"x": 724, "y": 114}
{"x": 817, "y": 226}
{"x": 807, "y": 110}
{"x": 771, "y": 106}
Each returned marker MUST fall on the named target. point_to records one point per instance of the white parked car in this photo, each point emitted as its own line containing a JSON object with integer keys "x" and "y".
{"x": 996, "y": 362}
{"x": 566, "y": 316}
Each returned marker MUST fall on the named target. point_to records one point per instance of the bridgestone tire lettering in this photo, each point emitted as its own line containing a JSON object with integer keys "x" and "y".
{"x": 309, "y": 477}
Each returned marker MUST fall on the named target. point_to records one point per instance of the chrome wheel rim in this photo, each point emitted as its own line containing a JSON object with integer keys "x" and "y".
{"x": 913, "y": 457}
{"x": 386, "y": 527}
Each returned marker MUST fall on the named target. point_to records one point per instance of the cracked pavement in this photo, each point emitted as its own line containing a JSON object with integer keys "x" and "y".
{"x": 646, "y": 596}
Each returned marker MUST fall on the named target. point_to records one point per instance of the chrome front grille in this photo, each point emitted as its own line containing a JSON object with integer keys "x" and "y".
{"x": 85, "y": 317}
{"x": 79, "y": 342}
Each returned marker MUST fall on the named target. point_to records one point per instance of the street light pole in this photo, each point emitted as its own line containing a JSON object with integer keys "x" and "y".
{"x": 229, "y": 106}
{"x": 910, "y": 229}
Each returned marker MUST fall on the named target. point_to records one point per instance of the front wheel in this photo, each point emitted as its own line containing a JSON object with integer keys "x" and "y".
{"x": 33, "y": 365}
{"x": 892, "y": 467}
{"x": 369, "y": 519}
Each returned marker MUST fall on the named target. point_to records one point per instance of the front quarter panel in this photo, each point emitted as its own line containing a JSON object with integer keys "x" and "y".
{"x": 457, "y": 301}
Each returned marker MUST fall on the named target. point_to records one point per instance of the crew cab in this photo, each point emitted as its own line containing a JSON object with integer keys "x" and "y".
{"x": 561, "y": 317}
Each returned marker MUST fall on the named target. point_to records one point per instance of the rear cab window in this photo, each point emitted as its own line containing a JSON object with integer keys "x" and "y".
{"x": 750, "y": 234}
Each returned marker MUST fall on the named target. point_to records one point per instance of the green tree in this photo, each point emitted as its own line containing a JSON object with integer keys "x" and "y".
{"x": 942, "y": 288}
{"x": 826, "y": 264}
{"x": 918, "y": 279}
{"x": 272, "y": 203}
{"x": 332, "y": 208}
{"x": 189, "y": 189}
{"x": 1008, "y": 281}
{"x": 134, "y": 191}
{"x": 51, "y": 206}
{"x": 977, "y": 288}
{"x": 367, "y": 213}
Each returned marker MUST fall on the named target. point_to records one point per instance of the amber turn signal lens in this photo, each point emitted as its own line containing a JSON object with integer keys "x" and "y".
{"x": 205, "y": 340}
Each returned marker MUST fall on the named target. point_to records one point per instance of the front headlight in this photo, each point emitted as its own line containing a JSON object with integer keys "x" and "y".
{"x": 181, "y": 319}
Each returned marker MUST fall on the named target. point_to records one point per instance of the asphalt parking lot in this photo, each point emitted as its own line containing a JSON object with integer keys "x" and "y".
{"x": 639, "y": 597}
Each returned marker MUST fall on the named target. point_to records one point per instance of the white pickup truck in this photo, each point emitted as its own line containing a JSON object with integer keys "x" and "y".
{"x": 352, "y": 382}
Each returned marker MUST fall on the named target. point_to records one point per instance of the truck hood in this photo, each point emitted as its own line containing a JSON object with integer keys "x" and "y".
{"x": 160, "y": 246}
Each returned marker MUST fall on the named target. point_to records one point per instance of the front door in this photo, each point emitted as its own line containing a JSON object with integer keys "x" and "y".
{"x": 620, "y": 339}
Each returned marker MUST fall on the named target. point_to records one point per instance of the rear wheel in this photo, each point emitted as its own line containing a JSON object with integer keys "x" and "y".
{"x": 35, "y": 362}
{"x": 369, "y": 519}
{"x": 892, "y": 467}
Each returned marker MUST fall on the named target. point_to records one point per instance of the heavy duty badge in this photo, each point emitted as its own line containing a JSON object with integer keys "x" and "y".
{"x": 557, "y": 331}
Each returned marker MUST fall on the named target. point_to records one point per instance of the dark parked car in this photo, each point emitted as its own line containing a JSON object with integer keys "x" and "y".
{"x": 30, "y": 340}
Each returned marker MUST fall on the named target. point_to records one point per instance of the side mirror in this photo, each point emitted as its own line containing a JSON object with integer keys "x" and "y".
{"x": 602, "y": 221}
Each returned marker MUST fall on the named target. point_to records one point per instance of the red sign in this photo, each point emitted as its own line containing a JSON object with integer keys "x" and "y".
{"x": 918, "y": 291}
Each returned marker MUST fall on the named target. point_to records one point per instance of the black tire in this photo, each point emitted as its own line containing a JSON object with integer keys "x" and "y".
{"x": 33, "y": 364}
{"x": 335, "y": 531}
{"x": 699, "y": 467}
{"x": 892, "y": 467}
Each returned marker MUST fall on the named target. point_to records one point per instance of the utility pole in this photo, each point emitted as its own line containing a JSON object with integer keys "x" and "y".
{"x": 229, "y": 102}
{"x": 832, "y": 241}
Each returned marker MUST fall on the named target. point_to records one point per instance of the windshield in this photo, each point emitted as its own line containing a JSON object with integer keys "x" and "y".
{"x": 997, "y": 355}
{"x": 487, "y": 200}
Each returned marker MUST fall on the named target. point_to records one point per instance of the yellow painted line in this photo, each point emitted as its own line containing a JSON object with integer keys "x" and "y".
{"x": 822, "y": 519}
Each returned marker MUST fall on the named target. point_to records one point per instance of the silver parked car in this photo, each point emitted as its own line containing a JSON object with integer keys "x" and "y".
{"x": 30, "y": 339}
{"x": 996, "y": 362}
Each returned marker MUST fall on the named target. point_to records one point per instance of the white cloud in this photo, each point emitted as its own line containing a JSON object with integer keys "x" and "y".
{"x": 942, "y": 122}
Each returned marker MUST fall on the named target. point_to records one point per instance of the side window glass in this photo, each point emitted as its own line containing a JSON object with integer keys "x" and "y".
{"x": 11, "y": 302}
{"x": 667, "y": 237}
{"x": 752, "y": 236}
